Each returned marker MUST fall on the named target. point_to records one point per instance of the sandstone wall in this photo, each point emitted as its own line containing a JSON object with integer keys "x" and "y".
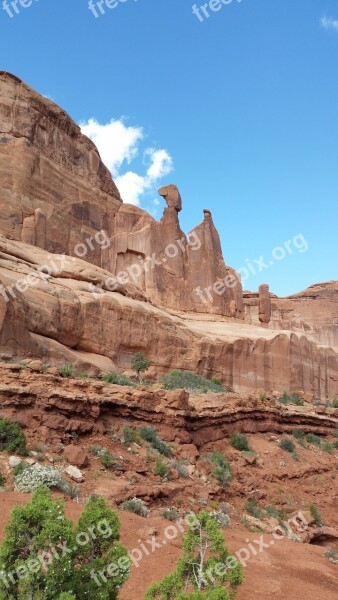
{"x": 54, "y": 189}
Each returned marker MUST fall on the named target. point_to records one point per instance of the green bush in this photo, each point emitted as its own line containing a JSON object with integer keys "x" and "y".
{"x": 40, "y": 529}
{"x": 287, "y": 445}
{"x": 116, "y": 379}
{"x": 66, "y": 371}
{"x": 253, "y": 509}
{"x": 291, "y": 399}
{"x": 190, "y": 381}
{"x": 171, "y": 514}
{"x": 130, "y": 435}
{"x": 314, "y": 439}
{"x": 299, "y": 435}
{"x": 137, "y": 506}
{"x": 161, "y": 469}
{"x": 140, "y": 364}
{"x": 335, "y": 403}
{"x": 203, "y": 549}
{"x": 222, "y": 470}
{"x": 328, "y": 447}
{"x": 240, "y": 442}
{"x": 12, "y": 438}
{"x": 96, "y": 450}
{"x": 271, "y": 511}
{"x": 315, "y": 514}
{"x": 106, "y": 459}
{"x": 18, "y": 469}
{"x": 180, "y": 467}
{"x": 2, "y": 480}
{"x": 149, "y": 434}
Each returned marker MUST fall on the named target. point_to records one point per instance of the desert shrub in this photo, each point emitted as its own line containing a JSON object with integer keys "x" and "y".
{"x": 40, "y": 529}
{"x": 291, "y": 399}
{"x": 12, "y": 438}
{"x": 83, "y": 375}
{"x": 96, "y": 450}
{"x": 335, "y": 444}
{"x": 287, "y": 444}
{"x": 180, "y": 467}
{"x": 263, "y": 396}
{"x": 19, "y": 468}
{"x": 328, "y": 447}
{"x": 36, "y": 476}
{"x": 66, "y": 371}
{"x": 335, "y": 403}
{"x": 332, "y": 554}
{"x": 161, "y": 469}
{"x": 171, "y": 514}
{"x": 71, "y": 490}
{"x": 190, "y": 381}
{"x": 2, "y": 480}
{"x": 149, "y": 434}
{"x": 106, "y": 459}
{"x": 140, "y": 364}
{"x": 221, "y": 518}
{"x": 130, "y": 435}
{"x": 117, "y": 379}
{"x": 240, "y": 442}
{"x": 271, "y": 511}
{"x": 203, "y": 548}
{"x": 298, "y": 434}
{"x": 253, "y": 509}
{"x": 137, "y": 506}
{"x": 315, "y": 514}
{"x": 314, "y": 439}
{"x": 222, "y": 470}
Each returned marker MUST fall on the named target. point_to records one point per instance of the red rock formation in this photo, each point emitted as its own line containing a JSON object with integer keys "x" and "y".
{"x": 55, "y": 191}
{"x": 55, "y": 194}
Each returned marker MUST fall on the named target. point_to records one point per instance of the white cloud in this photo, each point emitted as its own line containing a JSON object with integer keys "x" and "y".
{"x": 119, "y": 144}
{"x": 329, "y": 23}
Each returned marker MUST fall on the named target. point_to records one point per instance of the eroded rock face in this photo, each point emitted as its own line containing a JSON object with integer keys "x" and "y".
{"x": 173, "y": 269}
{"x": 72, "y": 316}
{"x": 176, "y": 299}
{"x": 55, "y": 192}
{"x": 313, "y": 312}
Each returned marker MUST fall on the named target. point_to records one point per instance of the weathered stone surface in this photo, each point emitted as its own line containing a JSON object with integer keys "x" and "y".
{"x": 178, "y": 301}
{"x": 74, "y": 473}
{"x": 55, "y": 191}
{"x": 76, "y": 456}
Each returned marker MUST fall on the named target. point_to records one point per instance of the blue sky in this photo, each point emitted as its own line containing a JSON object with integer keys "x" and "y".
{"x": 240, "y": 110}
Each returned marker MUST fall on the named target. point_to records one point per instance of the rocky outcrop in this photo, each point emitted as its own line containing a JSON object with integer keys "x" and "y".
{"x": 51, "y": 406}
{"x": 313, "y": 312}
{"x": 67, "y": 311}
{"x": 173, "y": 269}
{"x": 55, "y": 192}
{"x": 89, "y": 280}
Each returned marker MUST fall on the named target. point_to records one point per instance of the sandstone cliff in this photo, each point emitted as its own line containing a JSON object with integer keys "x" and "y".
{"x": 139, "y": 284}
